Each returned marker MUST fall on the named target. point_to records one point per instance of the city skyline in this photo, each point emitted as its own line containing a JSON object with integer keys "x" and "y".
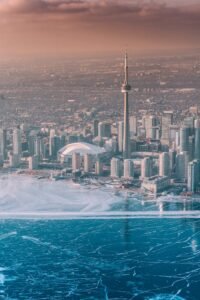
{"x": 149, "y": 151}
{"x": 84, "y": 27}
{"x": 100, "y": 149}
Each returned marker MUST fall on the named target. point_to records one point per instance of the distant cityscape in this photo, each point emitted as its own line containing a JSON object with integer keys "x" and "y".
{"x": 151, "y": 145}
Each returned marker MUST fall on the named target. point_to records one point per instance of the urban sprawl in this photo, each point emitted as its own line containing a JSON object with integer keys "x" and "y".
{"x": 154, "y": 151}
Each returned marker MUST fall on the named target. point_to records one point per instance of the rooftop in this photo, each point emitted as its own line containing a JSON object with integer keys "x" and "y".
{"x": 82, "y": 148}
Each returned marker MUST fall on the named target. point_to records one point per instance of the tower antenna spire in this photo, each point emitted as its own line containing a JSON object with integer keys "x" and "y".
{"x": 126, "y": 67}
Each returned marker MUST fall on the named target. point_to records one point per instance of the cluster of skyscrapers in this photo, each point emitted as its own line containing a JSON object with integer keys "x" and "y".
{"x": 152, "y": 150}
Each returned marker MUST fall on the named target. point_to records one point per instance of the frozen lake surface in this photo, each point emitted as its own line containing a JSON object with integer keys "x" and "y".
{"x": 100, "y": 259}
{"x": 28, "y": 197}
{"x": 62, "y": 241}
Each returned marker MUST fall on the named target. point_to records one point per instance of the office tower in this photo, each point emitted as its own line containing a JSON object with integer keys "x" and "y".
{"x": 104, "y": 130}
{"x": 128, "y": 169}
{"x": 31, "y": 144}
{"x": 181, "y": 166}
{"x": 133, "y": 126}
{"x": 166, "y": 121}
{"x": 100, "y": 130}
{"x": 107, "y": 129}
{"x": 43, "y": 149}
{"x": 76, "y": 162}
{"x": 187, "y": 159}
{"x": 114, "y": 144}
{"x": 189, "y": 123}
{"x": 193, "y": 175}
{"x": 57, "y": 145}
{"x": 146, "y": 167}
{"x": 184, "y": 139}
{"x": 150, "y": 122}
{"x": 39, "y": 148}
{"x": 88, "y": 163}
{"x": 1, "y": 160}
{"x": 177, "y": 139}
{"x": 62, "y": 140}
{"x": 197, "y": 139}
{"x": 95, "y": 127}
{"x": 3, "y": 143}
{"x": 155, "y": 133}
{"x": 125, "y": 90}
{"x": 51, "y": 146}
{"x": 172, "y": 132}
{"x": 54, "y": 146}
{"x": 191, "y": 147}
{"x": 52, "y": 133}
{"x": 33, "y": 162}
{"x": 172, "y": 160}
{"x": 98, "y": 167}
{"x": 164, "y": 164}
{"x": 115, "y": 167}
{"x": 120, "y": 136}
{"x": 17, "y": 142}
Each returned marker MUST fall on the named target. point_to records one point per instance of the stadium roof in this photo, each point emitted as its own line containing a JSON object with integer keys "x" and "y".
{"x": 82, "y": 148}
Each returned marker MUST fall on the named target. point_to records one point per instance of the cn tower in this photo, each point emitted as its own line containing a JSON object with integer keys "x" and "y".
{"x": 125, "y": 90}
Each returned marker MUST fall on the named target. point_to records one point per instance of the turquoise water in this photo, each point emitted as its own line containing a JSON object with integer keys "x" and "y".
{"x": 92, "y": 243}
{"x": 100, "y": 259}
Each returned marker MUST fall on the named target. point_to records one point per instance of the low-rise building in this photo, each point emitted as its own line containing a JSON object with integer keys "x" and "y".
{"x": 156, "y": 184}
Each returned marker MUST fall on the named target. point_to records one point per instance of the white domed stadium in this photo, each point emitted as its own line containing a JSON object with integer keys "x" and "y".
{"x": 82, "y": 148}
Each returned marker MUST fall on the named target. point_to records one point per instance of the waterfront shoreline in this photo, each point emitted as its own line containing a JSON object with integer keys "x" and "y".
{"x": 68, "y": 200}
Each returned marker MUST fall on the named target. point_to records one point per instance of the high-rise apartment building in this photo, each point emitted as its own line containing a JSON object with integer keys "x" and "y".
{"x": 133, "y": 126}
{"x": 17, "y": 141}
{"x": 166, "y": 121}
{"x": 128, "y": 169}
{"x": 164, "y": 164}
{"x": 197, "y": 139}
{"x": 116, "y": 168}
{"x": 95, "y": 127}
{"x": 3, "y": 143}
{"x": 146, "y": 167}
{"x": 182, "y": 166}
{"x": 184, "y": 139}
{"x": 150, "y": 122}
{"x": 193, "y": 175}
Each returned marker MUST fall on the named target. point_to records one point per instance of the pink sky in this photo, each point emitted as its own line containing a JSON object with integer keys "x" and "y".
{"x": 91, "y": 26}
